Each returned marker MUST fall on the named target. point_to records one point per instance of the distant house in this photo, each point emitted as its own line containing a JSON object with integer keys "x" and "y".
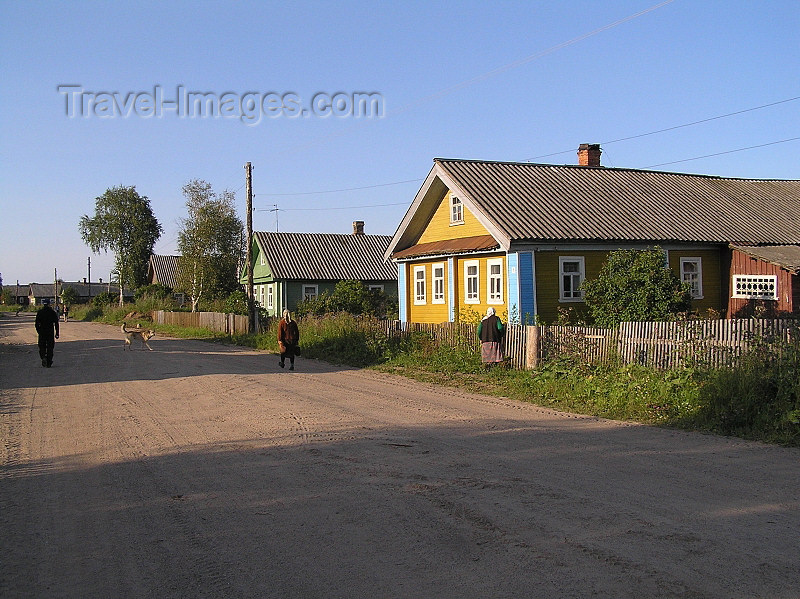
{"x": 523, "y": 237}
{"x": 83, "y": 290}
{"x": 20, "y": 293}
{"x": 39, "y": 291}
{"x": 163, "y": 270}
{"x": 290, "y": 267}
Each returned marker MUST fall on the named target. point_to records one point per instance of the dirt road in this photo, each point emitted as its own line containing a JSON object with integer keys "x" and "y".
{"x": 198, "y": 470}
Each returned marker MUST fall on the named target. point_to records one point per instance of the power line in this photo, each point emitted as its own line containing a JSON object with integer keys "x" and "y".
{"x": 309, "y": 193}
{"x": 527, "y": 59}
{"x": 713, "y": 118}
{"x": 772, "y": 143}
{"x": 496, "y": 71}
{"x": 628, "y": 138}
{"x": 331, "y": 207}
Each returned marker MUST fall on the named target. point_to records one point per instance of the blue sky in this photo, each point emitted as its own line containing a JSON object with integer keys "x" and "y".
{"x": 513, "y": 81}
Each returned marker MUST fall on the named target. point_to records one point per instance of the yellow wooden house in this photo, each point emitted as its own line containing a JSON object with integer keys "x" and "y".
{"x": 523, "y": 237}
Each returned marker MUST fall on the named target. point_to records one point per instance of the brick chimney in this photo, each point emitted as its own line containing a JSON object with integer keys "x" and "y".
{"x": 358, "y": 227}
{"x": 589, "y": 154}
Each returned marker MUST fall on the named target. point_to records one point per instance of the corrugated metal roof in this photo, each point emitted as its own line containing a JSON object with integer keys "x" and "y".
{"x": 785, "y": 256}
{"x": 163, "y": 270}
{"x": 449, "y": 246}
{"x": 326, "y": 256}
{"x": 532, "y": 202}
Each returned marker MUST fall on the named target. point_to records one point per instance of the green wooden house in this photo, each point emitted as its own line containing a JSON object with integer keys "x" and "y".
{"x": 290, "y": 267}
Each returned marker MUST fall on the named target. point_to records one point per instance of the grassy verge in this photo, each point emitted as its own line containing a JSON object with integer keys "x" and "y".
{"x": 758, "y": 400}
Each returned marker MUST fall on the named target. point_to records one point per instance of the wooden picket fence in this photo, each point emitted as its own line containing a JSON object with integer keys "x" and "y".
{"x": 231, "y": 324}
{"x": 663, "y": 345}
{"x": 668, "y": 345}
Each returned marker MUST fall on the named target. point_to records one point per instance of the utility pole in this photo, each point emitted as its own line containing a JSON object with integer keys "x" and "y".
{"x": 89, "y": 264}
{"x": 251, "y": 309}
{"x": 55, "y": 288}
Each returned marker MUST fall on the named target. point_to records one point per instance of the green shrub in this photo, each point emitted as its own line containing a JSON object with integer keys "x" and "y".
{"x": 237, "y": 303}
{"x": 153, "y": 292}
{"x": 635, "y": 285}
{"x": 104, "y": 299}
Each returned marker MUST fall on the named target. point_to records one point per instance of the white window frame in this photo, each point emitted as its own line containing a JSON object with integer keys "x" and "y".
{"x": 763, "y": 287}
{"x": 456, "y": 211}
{"x": 420, "y": 286}
{"x": 310, "y": 296}
{"x": 270, "y": 297}
{"x": 472, "y": 283}
{"x": 262, "y": 259}
{"x": 696, "y": 284}
{"x": 494, "y": 296}
{"x": 575, "y": 294}
{"x": 437, "y": 283}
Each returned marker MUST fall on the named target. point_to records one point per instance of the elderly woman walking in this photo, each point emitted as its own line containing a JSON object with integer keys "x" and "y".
{"x": 491, "y": 332}
{"x": 288, "y": 338}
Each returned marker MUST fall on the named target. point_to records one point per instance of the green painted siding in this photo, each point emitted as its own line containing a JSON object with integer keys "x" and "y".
{"x": 547, "y": 280}
{"x": 711, "y": 265}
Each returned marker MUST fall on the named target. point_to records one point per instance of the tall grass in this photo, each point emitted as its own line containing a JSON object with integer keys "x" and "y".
{"x": 758, "y": 399}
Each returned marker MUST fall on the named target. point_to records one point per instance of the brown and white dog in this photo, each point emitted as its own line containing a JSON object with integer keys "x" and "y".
{"x": 143, "y": 335}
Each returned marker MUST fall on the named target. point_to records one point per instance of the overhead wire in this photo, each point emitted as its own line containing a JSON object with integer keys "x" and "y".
{"x": 330, "y": 207}
{"x": 627, "y": 138}
{"x": 772, "y": 143}
{"x": 309, "y": 193}
{"x": 673, "y": 128}
{"x": 496, "y": 71}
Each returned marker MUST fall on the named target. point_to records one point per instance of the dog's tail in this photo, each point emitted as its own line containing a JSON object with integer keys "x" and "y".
{"x": 123, "y": 329}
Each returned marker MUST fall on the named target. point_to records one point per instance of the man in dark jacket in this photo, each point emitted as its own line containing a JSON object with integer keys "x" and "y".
{"x": 47, "y": 327}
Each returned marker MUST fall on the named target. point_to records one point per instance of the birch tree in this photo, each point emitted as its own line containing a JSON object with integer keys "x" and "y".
{"x": 210, "y": 241}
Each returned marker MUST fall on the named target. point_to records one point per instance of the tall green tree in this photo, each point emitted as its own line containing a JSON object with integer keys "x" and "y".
{"x": 211, "y": 241}
{"x": 125, "y": 224}
{"x": 635, "y": 285}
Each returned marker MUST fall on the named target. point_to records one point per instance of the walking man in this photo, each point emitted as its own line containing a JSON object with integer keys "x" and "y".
{"x": 47, "y": 328}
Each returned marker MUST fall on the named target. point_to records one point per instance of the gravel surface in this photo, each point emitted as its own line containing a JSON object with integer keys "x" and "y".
{"x": 202, "y": 470}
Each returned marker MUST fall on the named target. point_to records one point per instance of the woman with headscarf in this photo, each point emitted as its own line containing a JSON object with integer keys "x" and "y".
{"x": 288, "y": 337}
{"x": 490, "y": 332}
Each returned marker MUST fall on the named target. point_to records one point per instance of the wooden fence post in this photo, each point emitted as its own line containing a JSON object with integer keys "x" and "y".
{"x": 533, "y": 345}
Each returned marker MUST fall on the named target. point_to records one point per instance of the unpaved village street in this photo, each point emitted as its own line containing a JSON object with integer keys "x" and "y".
{"x": 201, "y": 470}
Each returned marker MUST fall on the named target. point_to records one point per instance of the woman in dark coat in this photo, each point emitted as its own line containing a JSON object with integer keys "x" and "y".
{"x": 490, "y": 332}
{"x": 288, "y": 338}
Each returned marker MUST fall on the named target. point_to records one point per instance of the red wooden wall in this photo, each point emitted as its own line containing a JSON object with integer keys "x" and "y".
{"x": 788, "y": 288}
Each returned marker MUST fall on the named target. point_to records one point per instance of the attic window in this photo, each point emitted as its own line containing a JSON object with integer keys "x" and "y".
{"x": 755, "y": 287}
{"x": 456, "y": 211}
